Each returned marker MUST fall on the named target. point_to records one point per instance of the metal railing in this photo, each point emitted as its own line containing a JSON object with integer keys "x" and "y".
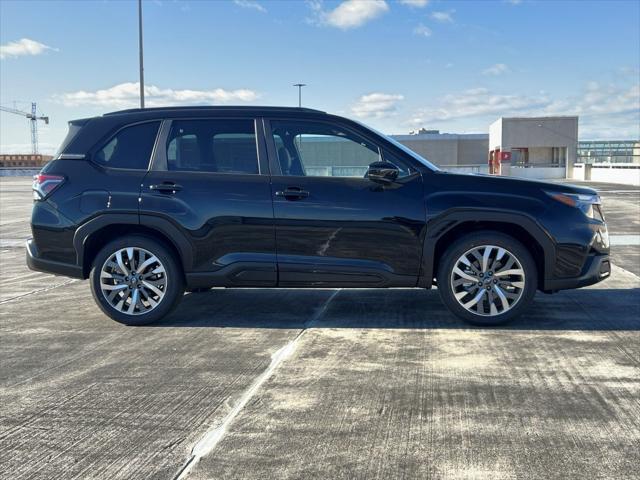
{"x": 537, "y": 165}
{"x": 609, "y": 151}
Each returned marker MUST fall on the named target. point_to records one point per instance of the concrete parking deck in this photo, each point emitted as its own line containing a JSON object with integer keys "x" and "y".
{"x": 318, "y": 383}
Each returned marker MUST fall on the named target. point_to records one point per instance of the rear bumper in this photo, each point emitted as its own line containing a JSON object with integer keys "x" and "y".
{"x": 34, "y": 262}
{"x": 597, "y": 268}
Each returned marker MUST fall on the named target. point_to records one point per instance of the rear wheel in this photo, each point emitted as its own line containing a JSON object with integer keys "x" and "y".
{"x": 136, "y": 280}
{"x": 487, "y": 278}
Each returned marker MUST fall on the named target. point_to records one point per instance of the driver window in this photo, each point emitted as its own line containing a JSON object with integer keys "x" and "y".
{"x": 321, "y": 150}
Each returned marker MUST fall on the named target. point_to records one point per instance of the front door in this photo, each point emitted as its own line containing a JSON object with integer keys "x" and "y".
{"x": 207, "y": 180}
{"x": 334, "y": 226}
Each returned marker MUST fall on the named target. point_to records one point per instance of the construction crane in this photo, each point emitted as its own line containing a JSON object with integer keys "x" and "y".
{"x": 33, "y": 119}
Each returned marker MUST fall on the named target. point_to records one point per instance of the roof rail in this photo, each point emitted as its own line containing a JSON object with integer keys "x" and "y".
{"x": 215, "y": 107}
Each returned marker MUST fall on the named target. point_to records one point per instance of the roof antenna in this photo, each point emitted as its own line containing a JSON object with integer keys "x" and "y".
{"x": 299, "y": 85}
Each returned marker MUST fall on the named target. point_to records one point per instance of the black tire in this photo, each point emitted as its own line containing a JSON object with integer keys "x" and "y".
{"x": 173, "y": 289}
{"x": 477, "y": 239}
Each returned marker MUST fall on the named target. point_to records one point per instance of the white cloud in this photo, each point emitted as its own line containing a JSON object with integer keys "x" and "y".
{"x": 415, "y": 3}
{"x": 126, "y": 95}
{"x": 597, "y": 99}
{"x": 24, "y": 46}
{"x": 251, "y": 4}
{"x": 443, "y": 17}
{"x": 497, "y": 69}
{"x": 478, "y": 102}
{"x": 376, "y": 105}
{"x": 349, "y": 14}
{"x": 422, "y": 30}
{"x": 605, "y": 111}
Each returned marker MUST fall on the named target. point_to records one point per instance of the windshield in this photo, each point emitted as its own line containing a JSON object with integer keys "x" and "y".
{"x": 405, "y": 149}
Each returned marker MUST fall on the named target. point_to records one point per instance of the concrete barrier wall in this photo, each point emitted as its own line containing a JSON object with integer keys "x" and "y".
{"x": 466, "y": 168}
{"x": 578, "y": 172}
{"x": 627, "y": 174}
{"x": 538, "y": 172}
{"x": 18, "y": 172}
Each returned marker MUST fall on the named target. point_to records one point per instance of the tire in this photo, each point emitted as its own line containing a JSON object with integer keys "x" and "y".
{"x": 506, "y": 254}
{"x": 114, "y": 283}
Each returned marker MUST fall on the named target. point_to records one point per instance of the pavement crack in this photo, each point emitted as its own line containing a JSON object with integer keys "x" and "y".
{"x": 213, "y": 436}
{"x": 173, "y": 443}
{"x": 40, "y": 290}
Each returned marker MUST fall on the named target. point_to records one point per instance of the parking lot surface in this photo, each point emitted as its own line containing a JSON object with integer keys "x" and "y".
{"x": 255, "y": 383}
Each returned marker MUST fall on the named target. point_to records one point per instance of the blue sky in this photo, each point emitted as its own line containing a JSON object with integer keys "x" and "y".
{"x": 450, "y": 65}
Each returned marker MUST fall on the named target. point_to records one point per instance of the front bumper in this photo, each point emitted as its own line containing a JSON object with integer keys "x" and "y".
{"x": 35, "y": 262}
{"x": 597, "y": 268}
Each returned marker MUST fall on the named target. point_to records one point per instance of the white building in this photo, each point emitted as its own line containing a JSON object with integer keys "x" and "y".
{"x": 548, "y": 143}
{"x": 448, "y": 149}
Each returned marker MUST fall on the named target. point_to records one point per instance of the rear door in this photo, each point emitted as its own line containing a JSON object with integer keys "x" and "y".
{"x": 334, "y": 226}
{"x": 209, "y": 180}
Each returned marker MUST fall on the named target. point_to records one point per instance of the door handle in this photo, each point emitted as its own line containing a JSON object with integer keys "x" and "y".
{"x": 168, "y": 187}
{"x": 291, "y": 193}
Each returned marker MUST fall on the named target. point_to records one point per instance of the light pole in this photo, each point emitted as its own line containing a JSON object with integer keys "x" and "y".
{"x": 141, "y": 59}
{"x": 299, "y": 85}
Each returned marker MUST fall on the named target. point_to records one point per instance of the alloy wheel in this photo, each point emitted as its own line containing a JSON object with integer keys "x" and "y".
{"x": 133, "y": 280}
{"x": 487, "y": 280}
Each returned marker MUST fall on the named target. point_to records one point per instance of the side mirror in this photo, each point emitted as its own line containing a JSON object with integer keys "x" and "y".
{"x": 382, "y": 172}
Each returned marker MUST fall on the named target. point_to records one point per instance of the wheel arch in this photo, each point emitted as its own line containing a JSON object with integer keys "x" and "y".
{"x": 445, "y": 229}
{"x": 95, "y": 234}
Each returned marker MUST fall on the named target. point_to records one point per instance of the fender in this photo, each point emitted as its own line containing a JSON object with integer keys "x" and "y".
{"x": 96, "y": 223}
{"x": 175, "y": 236}
{"x": 443, "y": 223}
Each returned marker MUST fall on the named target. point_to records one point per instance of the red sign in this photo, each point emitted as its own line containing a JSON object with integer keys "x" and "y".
{"x": 505, "y": 156}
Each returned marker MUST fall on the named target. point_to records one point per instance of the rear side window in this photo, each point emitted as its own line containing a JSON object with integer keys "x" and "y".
{"x": 74, "y": 128}
{"x": 220, "y": 146}
{"x": 131, "y": 147}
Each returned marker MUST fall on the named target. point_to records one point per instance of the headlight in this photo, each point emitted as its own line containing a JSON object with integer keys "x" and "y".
{"x": 589, "y": 204}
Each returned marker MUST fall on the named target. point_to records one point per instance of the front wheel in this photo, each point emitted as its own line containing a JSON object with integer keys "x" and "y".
{"x": 136, "y": 280}
{"x": 487, "y": 278}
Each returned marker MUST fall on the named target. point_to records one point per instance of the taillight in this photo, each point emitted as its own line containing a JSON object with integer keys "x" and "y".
{"x": 44, "y": 184}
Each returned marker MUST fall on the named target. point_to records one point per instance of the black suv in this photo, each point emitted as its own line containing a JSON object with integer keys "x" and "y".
{"x": 148, "y": 203}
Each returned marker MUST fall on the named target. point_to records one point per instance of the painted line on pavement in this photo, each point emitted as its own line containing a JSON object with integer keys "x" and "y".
{"x": 213, "y": 436}
{"x": 12, "y": 243}
{"x": 624, "y": 240}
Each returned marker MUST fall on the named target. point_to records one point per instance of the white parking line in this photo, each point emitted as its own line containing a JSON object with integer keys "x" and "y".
{"x": 213, "y": 436}
{"x": 617, "y": 191}
{"x": 12, "y": 243}
{"x": 624, "y": 240}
